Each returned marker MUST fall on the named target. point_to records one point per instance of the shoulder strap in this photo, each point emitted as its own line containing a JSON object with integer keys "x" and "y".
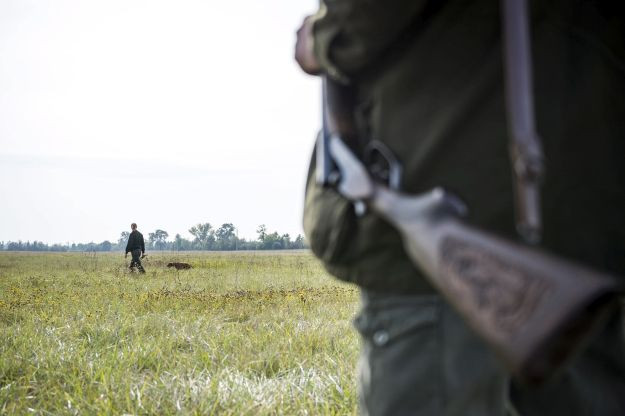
{"x": 524, "y": 144}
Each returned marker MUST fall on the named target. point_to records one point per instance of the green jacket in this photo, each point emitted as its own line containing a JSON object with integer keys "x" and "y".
{"x": 429, "y": 80}
{"x": 135, "y": 242}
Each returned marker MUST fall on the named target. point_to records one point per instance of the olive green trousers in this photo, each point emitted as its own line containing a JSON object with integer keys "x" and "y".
{"x": 419, "y": 358}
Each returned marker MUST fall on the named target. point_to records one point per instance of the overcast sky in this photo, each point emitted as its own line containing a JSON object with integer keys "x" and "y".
{"x": 161, "y": 112}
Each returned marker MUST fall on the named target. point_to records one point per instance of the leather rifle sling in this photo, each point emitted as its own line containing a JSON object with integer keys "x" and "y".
{"x": 524, "y": 143}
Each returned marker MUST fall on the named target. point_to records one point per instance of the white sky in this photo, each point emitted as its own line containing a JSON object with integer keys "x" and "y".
{"x": 162, "y": 112}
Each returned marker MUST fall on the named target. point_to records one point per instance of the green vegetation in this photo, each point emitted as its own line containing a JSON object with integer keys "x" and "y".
{"x": 240, "y": 333}
{"x": 205, "y": 238}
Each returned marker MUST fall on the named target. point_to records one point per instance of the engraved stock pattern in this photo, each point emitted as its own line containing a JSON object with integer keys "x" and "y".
{"x": 506, "y": 295}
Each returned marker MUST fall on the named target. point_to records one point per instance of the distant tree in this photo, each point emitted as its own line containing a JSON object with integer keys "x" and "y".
{"x": 178, "y": 242}
{"x": 158, "y": 239}
{"x": 41, "y": 246}
{"x": 181, "y": 243}
{"x": 204, "y": 235}
{"x": 299, "y": 242}
{"x": 286, "y": 241}
{"x": 104, "y": 246}
{"x": 123, "y": 239}
{"x": 205, "y": 238}
{"x": 59, "y": 247}
{"x": 262, "y": 232}
{"x": 272, "y": 241}
{"x": 14, "y": 246}
{"x": 225, "y": 237}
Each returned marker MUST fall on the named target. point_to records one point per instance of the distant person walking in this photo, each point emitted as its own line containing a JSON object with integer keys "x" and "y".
{"x": 136, "y": 247}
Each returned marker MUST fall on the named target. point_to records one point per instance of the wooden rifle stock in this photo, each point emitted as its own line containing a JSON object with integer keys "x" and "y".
{"x": 534, "y": 309}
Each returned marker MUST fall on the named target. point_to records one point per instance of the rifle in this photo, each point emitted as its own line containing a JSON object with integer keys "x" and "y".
{"x": 533, "y": 308}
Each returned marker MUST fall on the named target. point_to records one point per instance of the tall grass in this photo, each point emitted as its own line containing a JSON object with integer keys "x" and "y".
{"x": 240, "y": 333}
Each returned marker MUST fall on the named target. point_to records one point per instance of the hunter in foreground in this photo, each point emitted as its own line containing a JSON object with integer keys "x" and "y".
{"x": 477, "y": 316}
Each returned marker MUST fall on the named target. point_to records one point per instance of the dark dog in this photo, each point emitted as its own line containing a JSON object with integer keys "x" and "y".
{"x": 179, "y": 266}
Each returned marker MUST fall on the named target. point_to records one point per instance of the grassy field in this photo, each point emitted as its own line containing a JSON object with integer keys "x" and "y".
{"x": 240, "y": 333}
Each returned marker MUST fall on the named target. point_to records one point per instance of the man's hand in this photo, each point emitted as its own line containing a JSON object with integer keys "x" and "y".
{"x": 304, "y": 51}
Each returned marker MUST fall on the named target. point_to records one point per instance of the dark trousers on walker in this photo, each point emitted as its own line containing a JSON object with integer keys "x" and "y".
{"x": 136, "y": 260}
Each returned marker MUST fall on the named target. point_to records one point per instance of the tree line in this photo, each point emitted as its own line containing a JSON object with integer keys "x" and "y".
{"x": 205, "y": 237}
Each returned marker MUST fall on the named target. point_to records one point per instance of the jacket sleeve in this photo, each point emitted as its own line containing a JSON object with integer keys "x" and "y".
{"x": 142, "y": 243}
{"x": 128, "y": 244}
{"x": 349, "y": 35}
